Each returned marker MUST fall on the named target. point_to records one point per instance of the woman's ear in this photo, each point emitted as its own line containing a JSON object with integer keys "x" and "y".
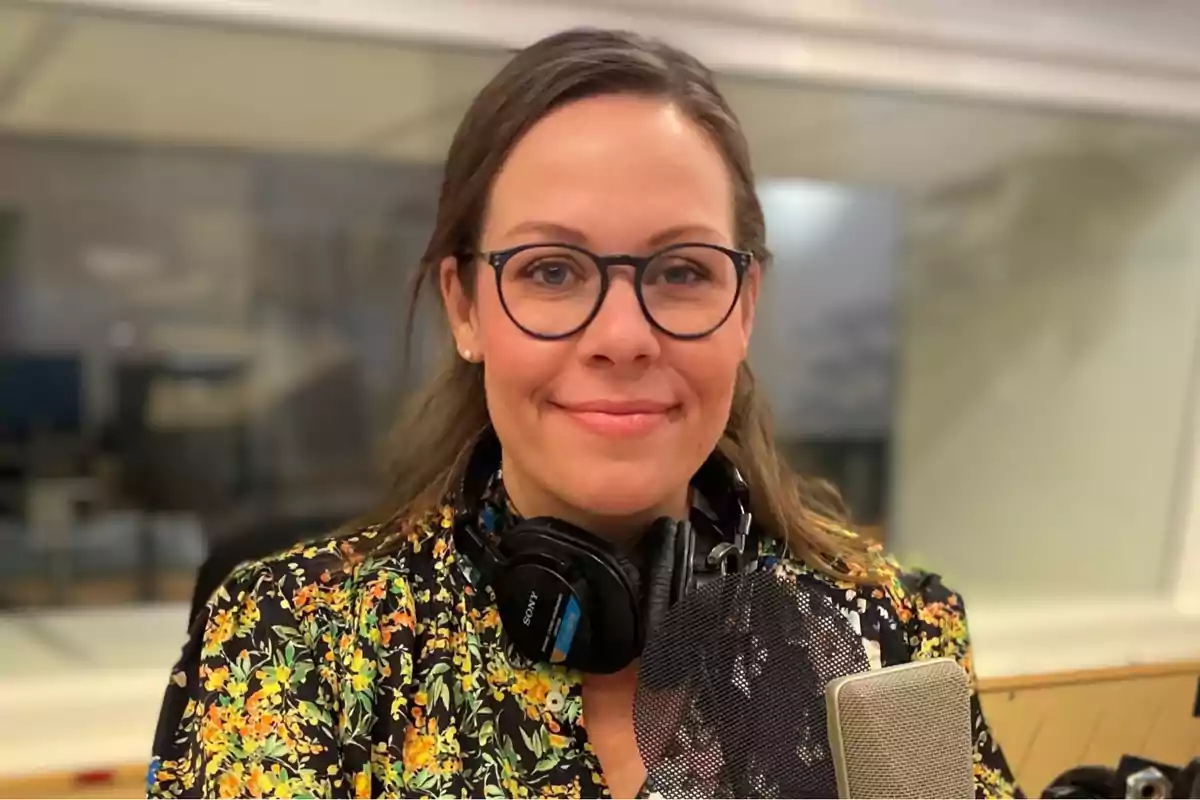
{"x": 460, "y": 310}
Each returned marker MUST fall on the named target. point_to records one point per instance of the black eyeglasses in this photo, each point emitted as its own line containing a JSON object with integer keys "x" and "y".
{"x": 553, "y": 290}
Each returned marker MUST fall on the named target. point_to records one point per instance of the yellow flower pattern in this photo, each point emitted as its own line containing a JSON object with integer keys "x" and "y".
{"x": 326, "y": 672}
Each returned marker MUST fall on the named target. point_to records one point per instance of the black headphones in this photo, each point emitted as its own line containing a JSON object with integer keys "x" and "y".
{"x": 567, "y": 596}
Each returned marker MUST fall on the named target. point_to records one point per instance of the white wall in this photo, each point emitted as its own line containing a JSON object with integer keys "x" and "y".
{"x": 1044, "y": 450}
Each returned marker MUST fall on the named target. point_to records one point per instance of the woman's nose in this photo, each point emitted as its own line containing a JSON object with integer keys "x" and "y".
{"x": 620, "y": 332}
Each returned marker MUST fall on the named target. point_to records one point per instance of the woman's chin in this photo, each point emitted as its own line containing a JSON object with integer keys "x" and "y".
{"x": 633, "y": 502}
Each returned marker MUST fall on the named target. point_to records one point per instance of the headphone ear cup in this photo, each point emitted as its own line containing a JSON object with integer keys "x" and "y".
{"x": 568, "y": 597}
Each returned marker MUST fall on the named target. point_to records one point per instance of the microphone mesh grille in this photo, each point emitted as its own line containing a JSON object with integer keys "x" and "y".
{"x": 903, "y": 732}
{"x": 731, "y": 690}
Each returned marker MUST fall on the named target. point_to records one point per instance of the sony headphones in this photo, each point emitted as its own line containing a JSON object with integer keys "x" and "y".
{"x": 567, "y": 596}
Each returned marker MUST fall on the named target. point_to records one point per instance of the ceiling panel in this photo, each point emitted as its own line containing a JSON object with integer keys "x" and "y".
{"x": 426, "y": 139}
{"x": 771, "y": 108}
{"x": 179, "y": 82}
{"x": 18, "y": 29}
{"x": 186, "y": 83}
{"x": 888, "y": 139}
{"x": 425, "y": 143}
{"x": 930, "y": 146}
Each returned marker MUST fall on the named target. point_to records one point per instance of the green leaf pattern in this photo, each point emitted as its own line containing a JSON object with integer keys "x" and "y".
{"x": 345, "y": 669}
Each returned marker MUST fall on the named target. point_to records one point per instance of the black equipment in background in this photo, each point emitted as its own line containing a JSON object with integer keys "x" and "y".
{"x": 1133, "y": 777}
{"x": 1080, "y": 783}
{"x": 1187, "y": 782}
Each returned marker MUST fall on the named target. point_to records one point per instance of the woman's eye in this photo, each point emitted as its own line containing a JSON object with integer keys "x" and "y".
{"x": 551, "y": 273}
{"x": 681, "y": 273}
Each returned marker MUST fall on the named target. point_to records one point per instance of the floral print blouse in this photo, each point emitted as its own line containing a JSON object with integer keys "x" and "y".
{"x": 322, "y": 672}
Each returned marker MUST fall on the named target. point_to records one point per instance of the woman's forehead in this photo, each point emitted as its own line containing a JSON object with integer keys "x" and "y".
{"x": 619, "y": 166}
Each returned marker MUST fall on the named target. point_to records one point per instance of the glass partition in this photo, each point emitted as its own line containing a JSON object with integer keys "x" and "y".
{"x": 206, "y": 236}
{"x": 1043, "y": 324}
{"x": 1051, "y": 308}
{"x": 981, "y": 323}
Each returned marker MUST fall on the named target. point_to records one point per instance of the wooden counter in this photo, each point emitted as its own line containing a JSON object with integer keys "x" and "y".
{"x": 1050, "y": 723}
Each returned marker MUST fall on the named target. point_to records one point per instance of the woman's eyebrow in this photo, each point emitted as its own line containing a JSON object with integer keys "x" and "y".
{"x": 552, "y": 230}
{"x": 570, "y": 235}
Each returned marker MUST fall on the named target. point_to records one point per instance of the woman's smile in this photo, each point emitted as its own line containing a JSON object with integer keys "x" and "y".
{"x": 618, "y": 418}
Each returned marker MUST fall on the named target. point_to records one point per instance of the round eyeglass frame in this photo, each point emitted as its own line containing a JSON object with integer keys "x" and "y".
{"x": 499, "y": 258}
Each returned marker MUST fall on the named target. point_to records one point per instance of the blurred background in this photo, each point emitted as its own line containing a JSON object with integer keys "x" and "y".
{"x": 982, "y": 323}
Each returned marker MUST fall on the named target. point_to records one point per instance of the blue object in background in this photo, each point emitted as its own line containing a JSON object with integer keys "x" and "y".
{"x": 40, "y": 393}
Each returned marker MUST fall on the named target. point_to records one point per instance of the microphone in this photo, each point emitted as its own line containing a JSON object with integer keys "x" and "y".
{"x": 758, "y": 685}
{"x": 901, "y": 730}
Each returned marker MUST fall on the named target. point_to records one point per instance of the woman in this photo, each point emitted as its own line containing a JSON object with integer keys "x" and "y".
{"x": 595, "y": 406}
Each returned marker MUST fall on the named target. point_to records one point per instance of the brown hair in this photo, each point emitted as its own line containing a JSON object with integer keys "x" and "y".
{"x": 434, "y": 437}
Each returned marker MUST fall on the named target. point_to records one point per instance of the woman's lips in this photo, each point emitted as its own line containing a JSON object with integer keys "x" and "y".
{"x": 618, "y": 418}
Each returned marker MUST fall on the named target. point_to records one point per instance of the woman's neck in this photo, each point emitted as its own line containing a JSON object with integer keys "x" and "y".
{"x": 531, "y": 499}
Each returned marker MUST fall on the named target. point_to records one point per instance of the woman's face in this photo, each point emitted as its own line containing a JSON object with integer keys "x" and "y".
{"x": 606, "y": 427}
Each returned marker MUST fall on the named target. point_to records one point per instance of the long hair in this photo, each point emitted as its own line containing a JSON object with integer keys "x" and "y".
{"x": 433, "y": 439}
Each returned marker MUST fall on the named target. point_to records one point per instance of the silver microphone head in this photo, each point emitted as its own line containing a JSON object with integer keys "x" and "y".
{"x": 903, "y": 731}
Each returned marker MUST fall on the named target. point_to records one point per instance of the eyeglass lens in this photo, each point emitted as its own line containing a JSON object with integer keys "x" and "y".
{"x": 553, "y": 290}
